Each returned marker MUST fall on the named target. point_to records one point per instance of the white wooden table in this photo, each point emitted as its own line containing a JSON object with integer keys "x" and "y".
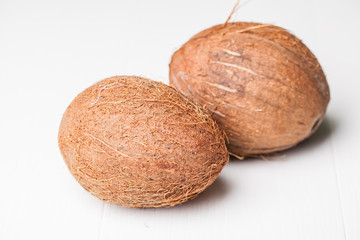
{"x": 52, "y": 50}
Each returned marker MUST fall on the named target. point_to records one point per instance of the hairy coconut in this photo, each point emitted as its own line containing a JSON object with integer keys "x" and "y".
{"x": 265, "y": 88}
{"x": 139, "y": 143}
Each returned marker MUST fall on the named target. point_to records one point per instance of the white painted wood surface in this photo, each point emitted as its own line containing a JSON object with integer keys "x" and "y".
{"x": 52, "y": 50}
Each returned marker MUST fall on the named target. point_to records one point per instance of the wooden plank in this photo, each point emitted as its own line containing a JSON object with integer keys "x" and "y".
{"x": 46, "y": 59}
{"x": 339, "y": 52}
{"x": 293, "y": 198}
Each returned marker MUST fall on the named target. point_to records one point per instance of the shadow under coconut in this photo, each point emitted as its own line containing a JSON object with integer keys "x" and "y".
{"x": 213, "y": 193}
{"x": 328, "y": 127}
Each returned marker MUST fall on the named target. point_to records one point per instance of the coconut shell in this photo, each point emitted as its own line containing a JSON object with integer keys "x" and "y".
{"x": 265, "y": 88}
{"x": 140, "y": 143}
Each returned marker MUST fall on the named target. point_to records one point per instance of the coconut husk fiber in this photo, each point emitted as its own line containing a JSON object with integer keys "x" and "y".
{"x": 264, "y": 87}
{"x": 140, "y": 143}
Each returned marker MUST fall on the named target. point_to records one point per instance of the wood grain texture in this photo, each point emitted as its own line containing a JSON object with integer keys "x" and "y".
{"x": 50, "y": 51}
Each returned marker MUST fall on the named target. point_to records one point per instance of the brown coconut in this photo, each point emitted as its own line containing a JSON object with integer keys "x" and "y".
{"x": 139, "y": 143}
{"x": 265, "y": 88}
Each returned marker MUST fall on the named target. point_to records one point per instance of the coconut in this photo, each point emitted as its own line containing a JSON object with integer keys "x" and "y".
{"x": 139, "y": 143}
{"x": 264, "y": 87}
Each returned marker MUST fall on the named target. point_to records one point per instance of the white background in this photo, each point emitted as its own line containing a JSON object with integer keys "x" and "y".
{"x": 52, "y": 50}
